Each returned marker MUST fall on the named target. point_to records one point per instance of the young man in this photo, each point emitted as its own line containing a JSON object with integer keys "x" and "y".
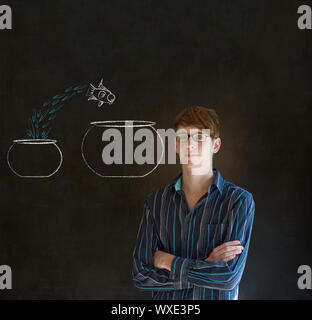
{"x": 194, "y": 234}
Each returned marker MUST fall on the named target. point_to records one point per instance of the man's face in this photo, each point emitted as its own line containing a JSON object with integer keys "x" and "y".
{"x": 195, "y": 148}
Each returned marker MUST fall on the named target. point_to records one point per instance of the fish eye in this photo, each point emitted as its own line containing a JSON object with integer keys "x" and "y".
{"x": 111, "y": 97}
{"x": 101, "y": 94}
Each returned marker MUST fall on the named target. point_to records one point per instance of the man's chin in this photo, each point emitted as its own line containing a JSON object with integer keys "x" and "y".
{"x": 199, "y": 170}
{"x": 195, "y": 161}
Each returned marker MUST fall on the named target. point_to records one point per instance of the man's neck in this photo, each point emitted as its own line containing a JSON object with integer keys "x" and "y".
{"x": 196, "y": 183}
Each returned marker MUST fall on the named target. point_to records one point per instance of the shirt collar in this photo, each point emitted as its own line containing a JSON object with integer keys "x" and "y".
{"x": 218, "y": 181}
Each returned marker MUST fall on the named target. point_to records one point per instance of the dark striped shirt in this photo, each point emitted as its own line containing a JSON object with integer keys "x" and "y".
{"x": 222, "y": 214}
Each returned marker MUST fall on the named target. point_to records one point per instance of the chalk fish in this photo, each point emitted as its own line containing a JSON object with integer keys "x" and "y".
{"x": 100, "y": 94}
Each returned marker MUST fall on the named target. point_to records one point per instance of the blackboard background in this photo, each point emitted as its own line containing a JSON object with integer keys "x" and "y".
{"x": 71, "y": 236}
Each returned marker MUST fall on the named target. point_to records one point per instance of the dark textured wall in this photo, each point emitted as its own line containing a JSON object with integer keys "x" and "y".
{"x": 72, "y": 235}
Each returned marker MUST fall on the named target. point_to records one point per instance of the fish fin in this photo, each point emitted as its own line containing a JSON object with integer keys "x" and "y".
{"x": 100, "y": 103}
{"x": 101, "y": 86}
{"x": 90, "y": 90}
{"x": 93, "y": 98}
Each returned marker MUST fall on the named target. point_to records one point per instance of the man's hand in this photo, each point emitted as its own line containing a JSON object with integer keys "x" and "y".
{"x": 163, "y": 260}
{"x": 225, "y": 252}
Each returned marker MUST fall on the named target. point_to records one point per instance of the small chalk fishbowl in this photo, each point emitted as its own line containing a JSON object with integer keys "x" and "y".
{"x": 34, "y": 158}
{"x": 122, "y": 148}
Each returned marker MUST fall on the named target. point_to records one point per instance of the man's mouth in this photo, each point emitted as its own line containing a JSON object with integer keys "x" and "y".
{"x": 192, "y": 154}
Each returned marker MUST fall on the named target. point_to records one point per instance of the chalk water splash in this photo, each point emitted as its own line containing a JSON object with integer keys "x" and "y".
{"x": 39, "y": 124}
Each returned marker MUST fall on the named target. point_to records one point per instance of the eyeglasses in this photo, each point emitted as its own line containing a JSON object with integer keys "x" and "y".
{"x": 196, "y": 137}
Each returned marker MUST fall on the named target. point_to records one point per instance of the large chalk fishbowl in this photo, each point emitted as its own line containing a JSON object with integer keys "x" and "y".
{"x": 122, "y": 148}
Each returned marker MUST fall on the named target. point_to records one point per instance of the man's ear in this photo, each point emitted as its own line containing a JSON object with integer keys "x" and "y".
{"x": 216, "y": 145}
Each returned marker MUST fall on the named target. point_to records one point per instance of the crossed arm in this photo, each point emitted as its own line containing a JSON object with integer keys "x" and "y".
{"x": 223, "y": 253}
{"x": 155, "y": 269}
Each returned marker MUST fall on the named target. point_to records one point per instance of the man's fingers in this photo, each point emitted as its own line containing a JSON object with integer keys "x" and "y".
{"x": 228, "y": 258}
{"x": 227, "y": 254}
{"x": 226, "y": 244}
{"x": 230, "y": 249}
{"x": 223, "y": 255}
{"x": 226, "y": 251}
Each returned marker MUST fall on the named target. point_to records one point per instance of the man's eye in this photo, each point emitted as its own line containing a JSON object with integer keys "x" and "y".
{"x": 182, "y": 137}
{"x": 199, "y": 137}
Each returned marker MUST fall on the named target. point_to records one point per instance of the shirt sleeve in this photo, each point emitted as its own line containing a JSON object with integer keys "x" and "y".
{"x": 219, "y": 275}
{"x": 144, "y": 274}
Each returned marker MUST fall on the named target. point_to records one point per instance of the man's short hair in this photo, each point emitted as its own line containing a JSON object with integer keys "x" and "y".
{"x": 200, "y": 117}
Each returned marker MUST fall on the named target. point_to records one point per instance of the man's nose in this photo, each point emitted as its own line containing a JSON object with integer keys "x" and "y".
{"x": 192, "y": 145}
